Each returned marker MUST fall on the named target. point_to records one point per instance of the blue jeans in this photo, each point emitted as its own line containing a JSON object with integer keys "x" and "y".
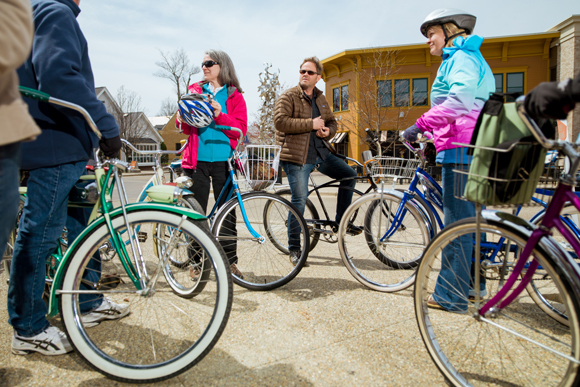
{"x": 9, "y": 179}
{"x": 455, "y": 278}
{"x": 333, "y": 167}
{"x": 43, "y": 218}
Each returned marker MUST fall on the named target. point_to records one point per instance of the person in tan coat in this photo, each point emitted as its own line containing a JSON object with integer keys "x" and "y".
{"x": 16, "y": 124}
{"x": 304, "y": 123}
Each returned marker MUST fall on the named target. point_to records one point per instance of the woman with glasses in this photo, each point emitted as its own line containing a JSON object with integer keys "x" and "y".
{"x": 206, "y": 155}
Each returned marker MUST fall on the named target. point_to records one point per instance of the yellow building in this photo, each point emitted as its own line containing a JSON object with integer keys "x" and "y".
{"x": 387, "y": 89}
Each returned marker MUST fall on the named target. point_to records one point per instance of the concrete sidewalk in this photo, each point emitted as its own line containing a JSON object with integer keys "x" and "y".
{"x": 322, "y": 329}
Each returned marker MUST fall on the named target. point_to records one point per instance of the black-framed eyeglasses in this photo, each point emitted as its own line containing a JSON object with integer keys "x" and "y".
{"x": 310, "y": 72}
{"x": 209, "y": 63}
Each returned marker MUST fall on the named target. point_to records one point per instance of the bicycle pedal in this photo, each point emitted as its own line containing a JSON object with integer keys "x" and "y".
{"x": 142, "y": 236}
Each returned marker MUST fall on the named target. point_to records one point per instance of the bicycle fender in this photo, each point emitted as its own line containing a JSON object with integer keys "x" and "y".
{"x": 551, "y": 247}
{"x": 59, "y": 275}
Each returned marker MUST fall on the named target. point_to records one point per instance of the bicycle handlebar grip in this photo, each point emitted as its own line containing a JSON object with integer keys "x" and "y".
{"x": 35, "y": 94}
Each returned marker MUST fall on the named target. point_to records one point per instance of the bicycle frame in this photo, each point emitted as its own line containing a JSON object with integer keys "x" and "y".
{"x": 106, "y": 182}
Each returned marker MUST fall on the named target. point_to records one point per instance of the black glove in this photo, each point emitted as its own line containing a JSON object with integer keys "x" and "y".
{"x": 110, "y": 146}
{"x": 410, "y": 134}
{"x": 550, "y": 100}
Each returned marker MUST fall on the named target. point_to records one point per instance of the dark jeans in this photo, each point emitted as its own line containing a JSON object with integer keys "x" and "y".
{"x": 44, "y": 216}
{"x": 9, "y": 198}
{"x": 333, "y": 167}
{"x": 215, "y": 175}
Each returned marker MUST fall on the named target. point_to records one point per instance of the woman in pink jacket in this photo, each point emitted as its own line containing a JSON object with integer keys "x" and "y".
{"x": 206, "y": 155}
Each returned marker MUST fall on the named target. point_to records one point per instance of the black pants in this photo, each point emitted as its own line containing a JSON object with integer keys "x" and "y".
{"x": 215, "y": 175}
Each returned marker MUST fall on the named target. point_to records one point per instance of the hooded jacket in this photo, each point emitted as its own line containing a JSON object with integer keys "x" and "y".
{"x": 463, "y": 83}
{"x": 59, "y": 65}
{"x": 236, "y": 117}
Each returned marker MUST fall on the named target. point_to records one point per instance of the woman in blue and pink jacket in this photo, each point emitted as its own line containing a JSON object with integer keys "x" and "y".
{"x": 463, "y": 83}
{"x": 205, "y": 157}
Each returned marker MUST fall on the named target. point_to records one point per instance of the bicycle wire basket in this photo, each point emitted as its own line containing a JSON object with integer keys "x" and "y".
{"x": 507, "y": 177}
{"x": 393, "y": 168}
{"x": 259, "y": 164}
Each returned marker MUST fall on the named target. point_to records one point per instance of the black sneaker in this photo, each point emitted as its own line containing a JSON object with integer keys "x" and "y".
{"x": 295, "y": 258}
{"x": 351, "y": 229}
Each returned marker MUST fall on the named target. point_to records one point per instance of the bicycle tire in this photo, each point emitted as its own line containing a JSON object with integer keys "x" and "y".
{"x": 263, "y": 265}
{"x": 192, "y": 273}
{"x": 164, "y": 334}
{"x": 474, "y": 350}
{"x": 310, "y": 212}
{"x": 371, "y": 262}
{"x": 541, "y": 288}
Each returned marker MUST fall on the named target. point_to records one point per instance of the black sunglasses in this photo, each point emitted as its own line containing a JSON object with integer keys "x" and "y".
{"x": 310, "y": 72}
{"x": 209, "y": 63}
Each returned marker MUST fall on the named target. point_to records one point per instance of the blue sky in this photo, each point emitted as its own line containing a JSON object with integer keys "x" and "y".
{"x": 124, "y": 36}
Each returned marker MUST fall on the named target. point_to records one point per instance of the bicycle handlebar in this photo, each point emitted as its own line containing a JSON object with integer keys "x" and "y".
{"x": 43, "y": 97}
{"x": 154, "y": 152}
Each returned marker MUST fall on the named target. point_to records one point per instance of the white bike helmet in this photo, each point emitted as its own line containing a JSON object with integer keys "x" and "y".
{"x": 196, "y": 111}
{"x": 456, "y": 16}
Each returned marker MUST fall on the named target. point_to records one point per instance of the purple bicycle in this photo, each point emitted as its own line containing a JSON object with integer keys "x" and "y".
{"x": 500, "y": 335}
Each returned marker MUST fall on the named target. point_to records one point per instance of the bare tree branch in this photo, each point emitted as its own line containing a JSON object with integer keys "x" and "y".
{"x": 168, "y": 107}
{"x": 128, "y": 114}
{"x": 176, "y": 67}
{"x": 376, "y": 66}
{"x": 269, "y": 91}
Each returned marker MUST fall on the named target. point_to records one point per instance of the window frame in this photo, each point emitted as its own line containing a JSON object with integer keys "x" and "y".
{"x": 411, "y": 78}
{"x": 504, "y": 71}
{"x": 340, "y": 87}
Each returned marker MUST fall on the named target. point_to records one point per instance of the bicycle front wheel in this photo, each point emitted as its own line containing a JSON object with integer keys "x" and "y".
{"x": 164, "y": 334}
{"x": 519, "y": 345}
{"x": 385, "y": 255}
{"x": 263, "y": 264}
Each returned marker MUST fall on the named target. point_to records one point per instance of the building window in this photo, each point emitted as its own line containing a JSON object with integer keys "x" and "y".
{"x": 402, "y": 92}
{"x": 144, "y": 158}
{"x": 340, "y": 98}
{"x": 514, "y": 84}
{"x": 498, "y": 83}
{"x": 420, "y": 92}
{"x": 509, "y": 83}
{"x": 344, "y": 97}
{"x": 384, "y": 93}
{"x": 177, "y": 146}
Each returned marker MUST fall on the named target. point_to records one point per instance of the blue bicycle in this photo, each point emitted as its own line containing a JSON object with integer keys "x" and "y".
{"x": 399, "y": 223}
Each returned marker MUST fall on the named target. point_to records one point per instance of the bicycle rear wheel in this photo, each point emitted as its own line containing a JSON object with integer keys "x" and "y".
{"x": 263, "y": 264}
{"x": 164, "y": 334}
{"x": 386, "y": 265}
{"x": 502, "y": 348}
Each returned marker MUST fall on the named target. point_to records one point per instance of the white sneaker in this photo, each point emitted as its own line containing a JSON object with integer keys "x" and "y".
{"x": 107, "y": 311}
{"x": 52, "y": 341}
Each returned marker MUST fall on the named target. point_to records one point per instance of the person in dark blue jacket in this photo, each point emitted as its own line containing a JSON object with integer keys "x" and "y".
{"x": 59, "y": 65}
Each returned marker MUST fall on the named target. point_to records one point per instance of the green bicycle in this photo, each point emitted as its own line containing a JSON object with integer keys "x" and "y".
{"x": 165, "y": 332}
